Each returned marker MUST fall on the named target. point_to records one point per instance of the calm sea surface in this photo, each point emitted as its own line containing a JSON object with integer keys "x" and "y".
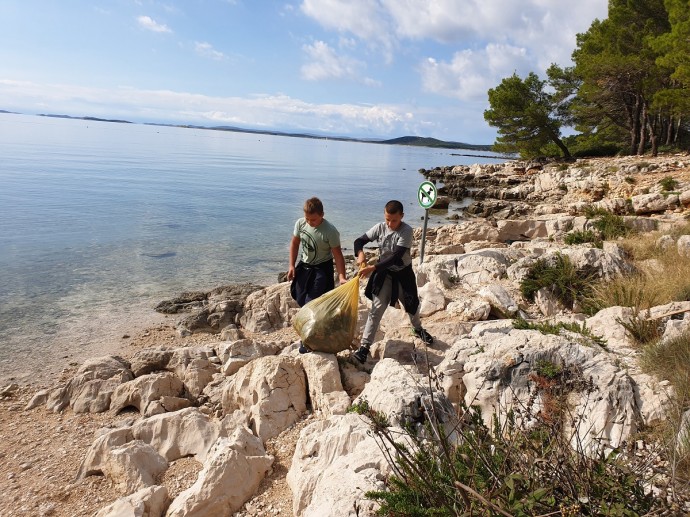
{"x": 100, "y": 221}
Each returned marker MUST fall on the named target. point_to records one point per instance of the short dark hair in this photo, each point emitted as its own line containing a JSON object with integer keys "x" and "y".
{"x": 313, "y": 205}
{"x": 394, "y": 207}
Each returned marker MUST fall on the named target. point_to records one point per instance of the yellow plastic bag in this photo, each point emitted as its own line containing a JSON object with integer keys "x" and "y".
{"x": 329, "y": 323}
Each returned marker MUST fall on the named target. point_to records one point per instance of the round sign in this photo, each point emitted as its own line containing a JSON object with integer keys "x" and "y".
{"x": 427, "y": 194}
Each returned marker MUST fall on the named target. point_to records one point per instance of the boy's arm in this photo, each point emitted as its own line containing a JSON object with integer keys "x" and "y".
{"x": 294, "y": 247}
{"x": 339, "y": 263}
{"x": 359, "y": 244}
{"x": 364, "y": 270}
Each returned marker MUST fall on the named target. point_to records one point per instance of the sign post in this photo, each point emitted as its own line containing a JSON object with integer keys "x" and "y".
{"x": 426, "y": 195}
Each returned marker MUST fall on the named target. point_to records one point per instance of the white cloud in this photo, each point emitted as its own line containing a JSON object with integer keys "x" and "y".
{"x": 269, "y": 111}
{"x": 364, "y": 19}
{"x": 206, "y": 50}
{"x": 546, "y": 27}
{"x": 325, "y": 63}
{"x": 470, "y": 74}
{"x": 150, "y": 24}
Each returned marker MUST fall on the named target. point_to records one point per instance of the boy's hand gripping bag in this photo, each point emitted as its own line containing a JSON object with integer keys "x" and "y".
{"x": 329, "y": 323}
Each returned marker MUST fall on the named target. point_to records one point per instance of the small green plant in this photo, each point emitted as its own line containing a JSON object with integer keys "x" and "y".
{"x": 591, "y": 212}
{"x": 562, "y": 167}
{"x": 611, "y": 226}
{"x": 630, "y": 180}
{"x": 558, "y": 274}
{"x": 641, "y": 327}
{"x": 555, "y": 328}
{"x": 362, "y": 408}
{"x": 582, "y": 237}
{"x": 563, "y": 187}
{"x": 548, "y": 370}
{"x": 668, "y": 184}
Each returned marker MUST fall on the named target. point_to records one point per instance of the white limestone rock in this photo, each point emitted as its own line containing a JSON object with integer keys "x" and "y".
{"x": 268, "y": 309}
{"x": 336, "y": 462}
{"x": 501, "y": 301}
{"x": 325, "y": 386}
{"x": 432, "y": 300}
{"x": 271, "y": 391}
{"x": 147, "y": 502}
{"x": 469, "y": 309}
{"x": 90, "y": 389}
{"x": 233, "y": 469}
{"x": 142, "y": 391}
{"x": 133, "y": 466}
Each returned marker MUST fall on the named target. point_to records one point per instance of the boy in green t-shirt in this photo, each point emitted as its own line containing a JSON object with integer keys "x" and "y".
{"x": 320, "y": 244}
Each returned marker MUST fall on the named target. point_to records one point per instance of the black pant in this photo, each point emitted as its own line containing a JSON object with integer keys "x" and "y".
{"x": 310, "y": 282}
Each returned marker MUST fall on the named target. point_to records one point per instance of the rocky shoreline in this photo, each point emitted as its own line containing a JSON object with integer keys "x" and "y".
{"x": 217, "y": 413}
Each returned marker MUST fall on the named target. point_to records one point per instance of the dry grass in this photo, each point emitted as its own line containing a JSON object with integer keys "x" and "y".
{"x": 662, "y": 275}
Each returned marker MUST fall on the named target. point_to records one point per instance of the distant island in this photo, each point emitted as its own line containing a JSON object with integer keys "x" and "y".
{"x": 403, "y": 140}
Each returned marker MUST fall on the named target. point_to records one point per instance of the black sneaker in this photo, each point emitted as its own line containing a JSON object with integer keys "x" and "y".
{"x": 362, "y": 354}
{"x": 422, "y": 334}
{"x": 303, "y": 349}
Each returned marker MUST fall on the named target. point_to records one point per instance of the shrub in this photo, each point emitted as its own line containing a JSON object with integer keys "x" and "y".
{"x": 642, "y": 328}
{"x": 611, "y": 226}
{"x": 555, "y": 328}
{"x": 511, "y": 467}
{"x": 591, "y": 212}
{"x": 582, "y": 237}
{"x": 558, "y": 274}
{"x": 668, "y": 184}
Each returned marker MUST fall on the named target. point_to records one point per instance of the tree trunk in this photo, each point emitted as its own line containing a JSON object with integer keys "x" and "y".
{"x": 563, "y": 148}
{"x": 634, "y": 126}
{"x": 643, "y": 129}
{"x": 653, "y": 137}
{"x": 669, "y": 131}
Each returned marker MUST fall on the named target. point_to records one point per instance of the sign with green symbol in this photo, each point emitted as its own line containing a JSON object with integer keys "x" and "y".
{"x": 427, "y": 195}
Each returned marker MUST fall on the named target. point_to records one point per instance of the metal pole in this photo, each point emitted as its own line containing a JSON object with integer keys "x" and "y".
{"x": 421, "y": 252}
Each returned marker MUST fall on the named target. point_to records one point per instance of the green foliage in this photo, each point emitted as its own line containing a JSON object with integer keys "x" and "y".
{"x": 618, "y": 69}
{"x": 528, "y": 114}
{"x": 558, "y": 274}
{"x": 362, "y": 408}
{"x": 609, "y": 225}
{"x": 555, "y": 328}
{"x": 668, "y": 183}
{"x": 582, "y": 237}
{"x": 626, "y": 93}
{"x": 548, "y": 370}
{"x": 510, "y": 468}
{"x": 641, "y": 327}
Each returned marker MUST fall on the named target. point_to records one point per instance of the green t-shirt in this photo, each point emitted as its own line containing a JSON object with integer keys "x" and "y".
{"x": 316, "y": 243}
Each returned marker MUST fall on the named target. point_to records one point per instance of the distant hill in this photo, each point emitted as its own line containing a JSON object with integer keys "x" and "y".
{"x": 403, "y": 140}
{"x": 432, "y": 142}
{"x": 95, "y": 119}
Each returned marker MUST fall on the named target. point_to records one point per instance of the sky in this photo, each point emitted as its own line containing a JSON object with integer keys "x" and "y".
{"x": 353, "y": 68}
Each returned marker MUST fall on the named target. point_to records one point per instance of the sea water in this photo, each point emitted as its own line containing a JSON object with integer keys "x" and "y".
{"x": 100, "y": 221}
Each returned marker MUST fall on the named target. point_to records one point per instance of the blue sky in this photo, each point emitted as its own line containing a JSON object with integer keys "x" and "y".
{"x": 359, "y": 68}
